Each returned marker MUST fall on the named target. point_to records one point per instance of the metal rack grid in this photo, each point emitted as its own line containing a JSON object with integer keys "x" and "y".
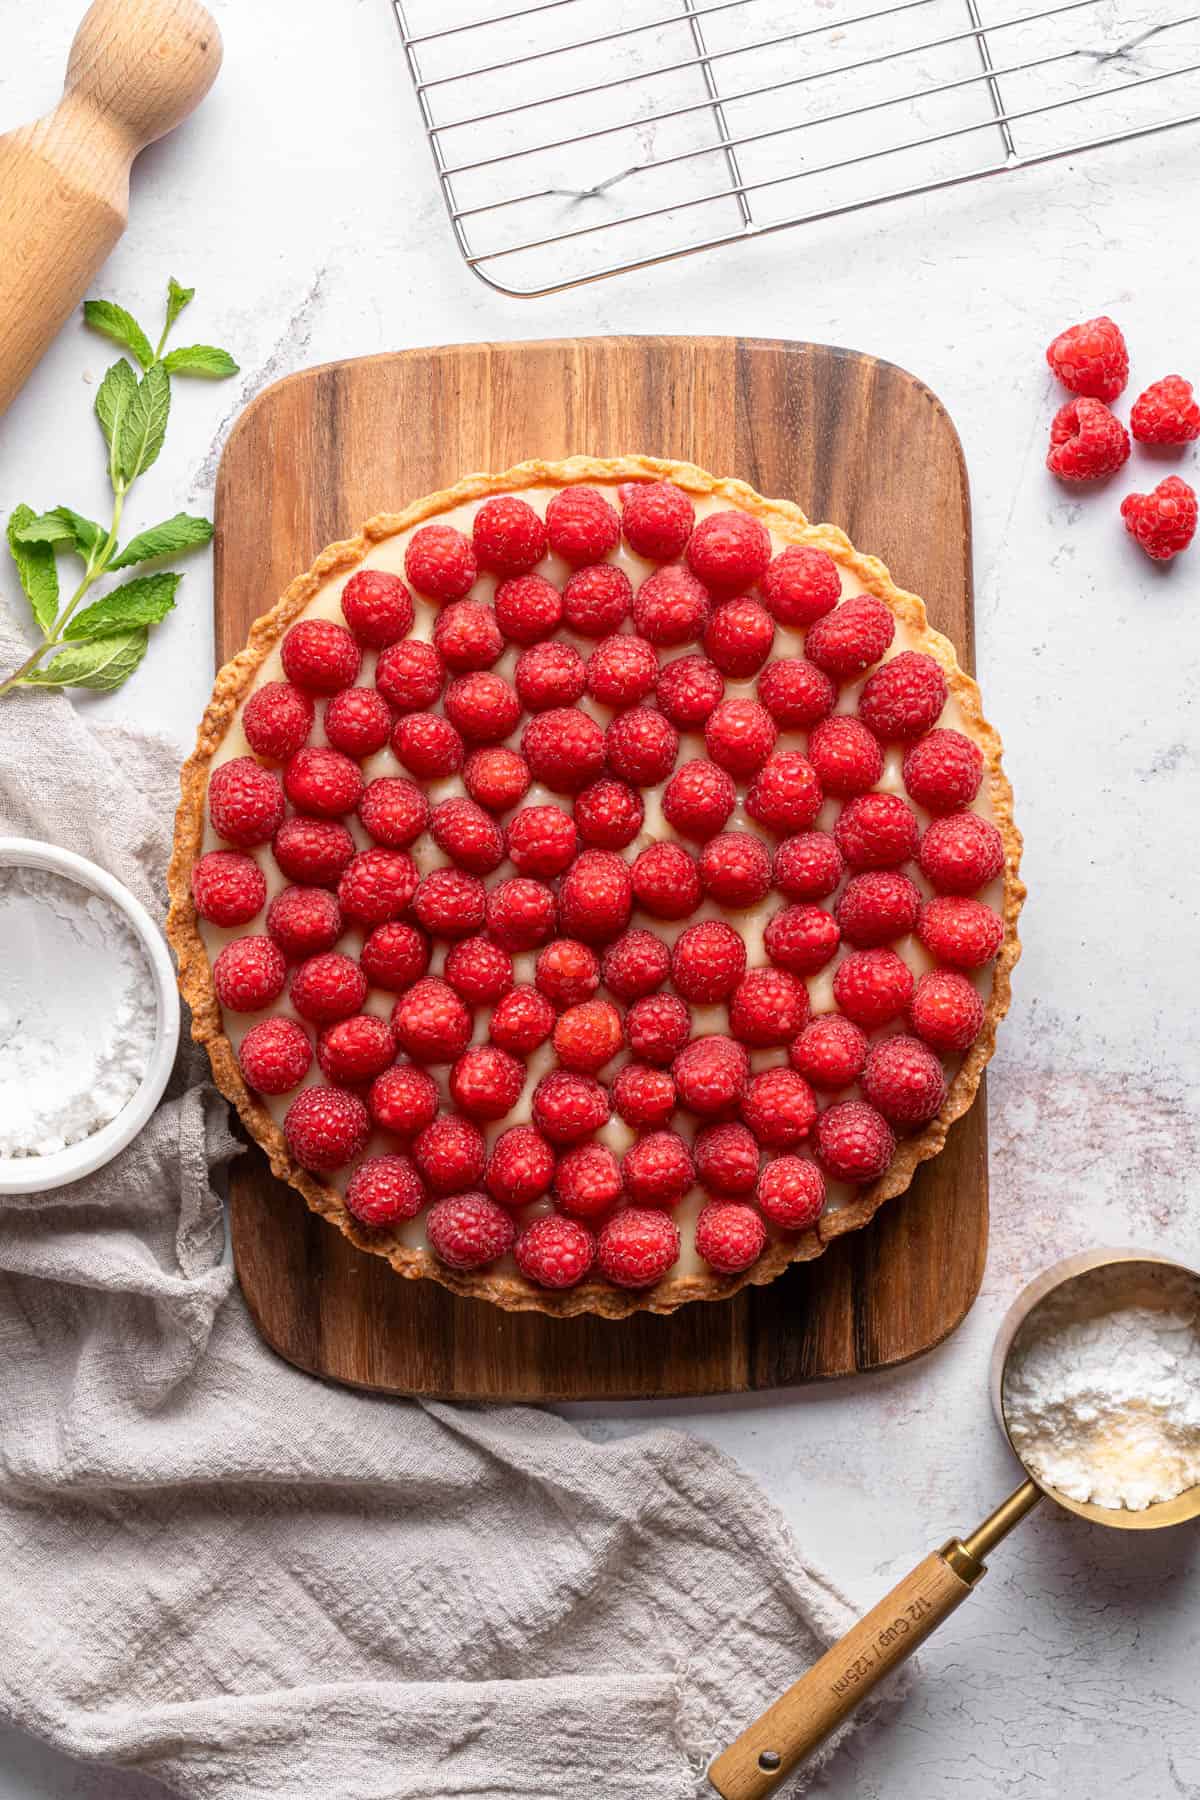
{"x": 576, "y": 139}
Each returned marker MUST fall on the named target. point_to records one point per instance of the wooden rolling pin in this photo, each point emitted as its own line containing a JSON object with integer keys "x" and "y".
{"x": 137, "y": 68}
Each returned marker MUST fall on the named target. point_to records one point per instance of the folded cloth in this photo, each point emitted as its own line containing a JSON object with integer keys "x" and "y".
{"x": 245, "y": 1582}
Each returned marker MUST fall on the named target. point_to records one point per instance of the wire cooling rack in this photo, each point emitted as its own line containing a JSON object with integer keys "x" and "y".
{"x": 575, "y": 139}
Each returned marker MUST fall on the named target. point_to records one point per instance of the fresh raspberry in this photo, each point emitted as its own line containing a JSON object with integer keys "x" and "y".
{"x": 588, "y": 1035}
{"x": 1086, "y": 442}
{"x": 228, "y": 888}
{"x": 708, "y": 961}
{"x": 587, "y": 1181}
{"x": 324, "y": 782}
{"x": 962, "y": 932}
{"x": 564, "y": 749}
{"x": 410, "y": 675}
{"x": 1162, "y": 522}
{"x": 854, "y": 1142}
{"x": 597, "y": 600}
{"x": 666, "y": 881}
{"x": 768, "y": 1006}
{"x": 468, "y": 1231}
{"x": 699, "y": 798}
{"x": 394, "y": 956}
{"x": 727, "y": 1158}
{"x": 644, "y": 1097}
{"x": 637, "y": 1246}
{"x": 478, "y": 970}
{"x": 739, "y": 735}
{"x": 542, "y": 840}
{"x": 791, "y": 1193}
{"x": 729, "y": 551}
{"x": 248, "y": 974}
{"x": 384, "y": 1190}
{"x": 609, "y": 814}
{"x": 852, "y": 637}
{"x": 943, "y": 771}
{"x": 847, "y": 757}
{"x": 471, "y": 836}
{"x": 582, "y": 526}
{"x": 277, "y": 719}
{"x": 313, "y": 851}
{"x": 903, "y": 1079}
{"x": 657, "y": 519}
{"x": 303, "y": 921}
{"x": 711, "y": 1074}
{"x": 872, "y": 986}
{"x": 449, "y": 903}
{"x": 428, "y": 746}
{"x": 595, "y": 897}
{"x": 622, "y": 670}
{"x": 671, "y": 607}
{"x": 467, "y": 637}
{"x": 275, "y": 1056}
{"x": 568, "y": 1107}
{"x": 377, "y": 885}
{"x": 567, "y": 972}
{"x": 528, "y": 608}
{"x": 327, "y": 987}
{"x": 431, "y": 1023}
{"x": 779, "y": 1107}
{"x": 440, "y": 562}
{"x": 946, "y": 1011}
{"x": 520, "y": 1167}
{"x": 450, "y": 1153}
{"x": 961, "y": 852}
{"x": 688, "y": 689}
{"x": 486, "y": 1083}
{"x": 555, "y": 1252}
{"x": 786, "y": 794}
{"x": 325, "y": 1128}
{"x": 830, "y": 1052}
{"x": 404, "y": 1100}
{"x": 808, "y": 866}
{"x": 796, "y": 693}
{"x": 318, "y": 655}
{"x": 904, "y": 696}
{"x": 876, "y": 831}
{"x": 730, "y": 1236}
{"x": 482, "y": 707}
{"x": 355, "y": 1049}
{"x": 1091, "y": 358}
{"x": 1166, "y": 413}
{"x": 550, "y": 674}
{"x": 497, "y": 777}
{"x": 521, "y": 914}
{"x": 509, "y": 537}
{"x": 637, "y": 964}
{"x": 735, "y": 869}
{"x": 522, "y": 1020}
{"x": 245, "y": 802}
{"x": 358, "y": 721}
{"x": 877, "y": 907}
{"x": 658, "y": 1026}
{"x": 658, "y": 1169}
{"x": 801, "y": 585}
{"x": 802, "y": 938}
{"x": 641, "y": 746}
{"x": 377, "y": 607}
{"x": 738, "y": 637}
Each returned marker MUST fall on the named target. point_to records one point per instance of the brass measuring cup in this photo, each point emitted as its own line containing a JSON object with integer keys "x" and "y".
{"x": 817, "y": 1704}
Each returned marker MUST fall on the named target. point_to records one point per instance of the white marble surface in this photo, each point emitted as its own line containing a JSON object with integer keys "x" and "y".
{"x": 300, "y": 202}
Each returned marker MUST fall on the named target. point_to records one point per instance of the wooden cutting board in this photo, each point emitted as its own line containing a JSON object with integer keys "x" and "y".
{"x": 855, "y": 441}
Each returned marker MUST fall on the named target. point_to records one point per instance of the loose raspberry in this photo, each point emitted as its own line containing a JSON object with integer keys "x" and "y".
{"x": 1166, "y": 413}
{"x": 657, "y": 519}
{"x": 277, "y": 719}
{"x": 735, "y": 869}
{"x": 801, "y": 585}
{"x": 699, "y": 798}
{"x": 428, "y": 746}
{"x": 708, "y": 961}
{"x": 508, "y": 535}
{"x": 440, "y": 562}
{"x": 486, "y": 1082}
{"x": 830, "y": 1052}
{"x": 730, "y": 1236}
{"x": 384, "y": 1190}
{"x": 622, "y": 670}
{"x": 404, "y": 1100}
{"x": 522, "y": 1020}
{"x": 394, "y": 956}
{"x": 245, "y": 802}
{"x": 355, "y": 1049}
{"x": 325, "y": 1128}
{"x": 542, "y": 841}
{"x": 568, "y": 1107}
{"x": 497, "y": 777}
{"x": 588, "y": 1036}
{"x": 304, "y": 921}
{"x": 564, "y": 749}
{"x": 641, "y": 746}
{"x": 962, "y": 932}
{"x": 377, "y": 885}
{"x": 1091, "y": 358}
{"x": 410, "y": 675}
{"x": 609, "y": 814}
{"x": 658, "y": 1169}
{"x": 468, "y": 1231}
{"x": 587, "y": 1181}
{"x": 876, "y": 831}
{"x": 450, "y": 1154}
{"x": 808, "y": 866}
{"x": 644, "y": 1097}
{"x": 658, "y": 1026}
{"x": 738, "y": 637}
{"x": 877, "y": 907}
{"x": 729, "y": 551}
{"x": 1086, "y": 442}
{"x": 555, "y": 1252}
{"x": 582, "y": 526}
{"x": 791, "y": 1193}
{"x": 847, "y": 757}
{"x": 946, "y": 1011}
{"x": 1162, "y": 522}
{"x": 636, "y": 964}
{"x": 671, "y": 607}
{"x": 768, "y": 1006}
{"x": 450, "y": 903}
{"x": 739, "y": 735}
{"x": 943, "y": 771}
{"x": 528, "y": 608}
{"x": 786, "y": 794}
{"x": 597, "y": 600}
{"x": 520, "y": 1167}
{"x": 275, "y": 1056}
{"x": 327, "y": 987}
{"x": 467, "y": 637}
{"x": 431, "y": 1023}
{"x": 796, "y": 693}
{"x": 567, "y": 972}
{"x": 872, "y": 987}
{"x": 228, "y": 888}
{"x": 780, "y": 1108}
{"x": 688, "y": 689}
{"x": 802, "y": 938}
{"x": 471, "y": 836}
{"x": 377, "y": 607}
{"x": 358, "y": 721}
{"x": 904, "y": 697}
{"x": 320, "y": 656}
{"x": 248, "y": 974}
{"x": 903, "y": 1079}
{"x": 521, "y": 914}
{"x": 637, "y": 1246}
{"x": 727, "y": 1158}
{"x": 666, "y": 881}
{"x": 478, "y": 970}
{"x": 482, "y": 707}
{"x": 324, "y": 782}
{"x": 958, "y": 854}
{"x": 595, "y": 897}
{"x": 711, "y": 1075}
{"x": 549, "y": 674}
{"x": 851, "y": 638}
{"x": 854, "y": 1142}
{"x": 313, "y": 851}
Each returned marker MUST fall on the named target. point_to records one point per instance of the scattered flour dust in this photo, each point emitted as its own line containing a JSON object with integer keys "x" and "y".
{"x": 77, "y": 1012}
{"x": 1102, "y": 1390}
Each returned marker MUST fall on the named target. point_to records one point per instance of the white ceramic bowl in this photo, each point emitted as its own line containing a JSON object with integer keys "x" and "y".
{"x": 33, "y": 1174}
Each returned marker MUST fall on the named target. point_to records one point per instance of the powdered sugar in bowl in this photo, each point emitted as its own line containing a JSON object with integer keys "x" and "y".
{"x": 89, "y": 1016}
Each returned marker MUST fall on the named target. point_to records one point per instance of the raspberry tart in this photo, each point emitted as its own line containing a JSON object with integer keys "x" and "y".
{"x": 596, "y": 887}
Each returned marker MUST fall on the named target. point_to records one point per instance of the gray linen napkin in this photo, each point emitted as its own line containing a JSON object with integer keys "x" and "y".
{"x": 243, "y": 1581}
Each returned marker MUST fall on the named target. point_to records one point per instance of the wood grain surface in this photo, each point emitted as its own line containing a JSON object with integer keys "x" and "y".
{"x": 854, "y": 441}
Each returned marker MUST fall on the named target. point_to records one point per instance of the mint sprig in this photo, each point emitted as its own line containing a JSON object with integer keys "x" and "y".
{"x": 100, "y": 646}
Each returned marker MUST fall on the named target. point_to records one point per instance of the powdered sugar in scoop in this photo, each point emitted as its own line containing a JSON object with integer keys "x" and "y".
{"x": 77, "y": 1012}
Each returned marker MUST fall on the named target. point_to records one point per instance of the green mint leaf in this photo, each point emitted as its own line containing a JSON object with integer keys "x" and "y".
{"x": 113, "y": 397}
{"x": 86, "y": 536}
{"x": 183, "y": 532}
{"x": 122, "y": 327}
{"x": 143, "y": 601}
{"x": 102, "y": 664}
{"x": 177, "y": 298}
{"x": 47, "y": 528}
{"x": 145, "y": 423}
{"x": 200, "y": 359}
{"x": 36, "y": 568}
